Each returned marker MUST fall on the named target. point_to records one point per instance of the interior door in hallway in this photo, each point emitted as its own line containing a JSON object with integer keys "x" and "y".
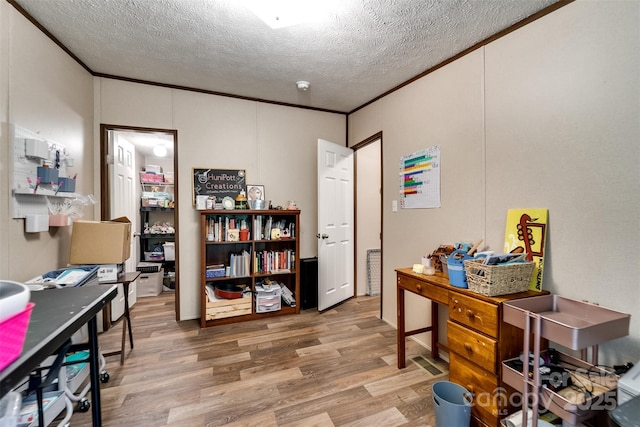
{"x": 123, "y": 195}
{"x": 335, "y": 224}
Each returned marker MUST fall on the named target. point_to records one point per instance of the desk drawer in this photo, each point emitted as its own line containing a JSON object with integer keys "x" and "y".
{"x": 433, "y": 292}
{"x": 479, "y": 315}
{"x": 487, "y": 396}
{"x": 473, "y": 346}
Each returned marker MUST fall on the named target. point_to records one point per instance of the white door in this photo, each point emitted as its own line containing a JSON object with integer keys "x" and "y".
{"x": 335, "y": 224}
{"x": 123, "y": 191}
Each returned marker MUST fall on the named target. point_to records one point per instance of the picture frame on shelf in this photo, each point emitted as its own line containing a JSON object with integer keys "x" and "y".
{"x": 255, "y": 192}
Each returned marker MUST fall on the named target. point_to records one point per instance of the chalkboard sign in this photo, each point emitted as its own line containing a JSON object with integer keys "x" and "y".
{"x": 218, "y": 182}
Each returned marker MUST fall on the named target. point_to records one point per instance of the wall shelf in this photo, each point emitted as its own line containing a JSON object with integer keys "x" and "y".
{"x": 43, "y": 191}
{"x": 24, "y": 201}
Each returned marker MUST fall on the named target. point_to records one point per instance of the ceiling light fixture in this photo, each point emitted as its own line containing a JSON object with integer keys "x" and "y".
{"x": 303, "y": 85}
{"x": 159, "y": 150}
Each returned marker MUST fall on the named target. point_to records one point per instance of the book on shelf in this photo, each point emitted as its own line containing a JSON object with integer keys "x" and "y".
{"x": 224, "y": 229}
{"x": 274, "y": 261}
{"x": 267, "y": 224}
{"x": 239, "y": 264}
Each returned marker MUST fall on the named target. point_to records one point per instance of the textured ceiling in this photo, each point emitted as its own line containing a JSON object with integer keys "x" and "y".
{"x": 364, "y": 48}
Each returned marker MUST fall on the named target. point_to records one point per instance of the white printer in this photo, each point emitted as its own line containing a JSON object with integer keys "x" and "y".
{"x": 629, "y": 384}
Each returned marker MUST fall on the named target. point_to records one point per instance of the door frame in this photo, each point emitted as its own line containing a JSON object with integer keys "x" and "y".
{"x": 367, "y": 141}
{"x": 105, "y": 187}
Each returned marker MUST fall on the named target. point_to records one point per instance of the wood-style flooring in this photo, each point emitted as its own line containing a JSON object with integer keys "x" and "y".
{"x": 336, "y": 368}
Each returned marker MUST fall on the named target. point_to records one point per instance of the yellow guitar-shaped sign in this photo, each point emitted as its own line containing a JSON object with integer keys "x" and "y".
{"x": 526, "y": 233}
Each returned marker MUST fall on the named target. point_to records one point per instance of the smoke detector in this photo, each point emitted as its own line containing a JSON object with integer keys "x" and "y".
{"x": 302, "y": 85}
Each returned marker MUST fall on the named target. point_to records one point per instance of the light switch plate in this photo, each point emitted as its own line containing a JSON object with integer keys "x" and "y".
{"x": 394, "y": 206}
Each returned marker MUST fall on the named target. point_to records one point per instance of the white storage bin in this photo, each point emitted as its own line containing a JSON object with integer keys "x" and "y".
{"x": 169, "y": 251}
{"x": 149, "y": 284}
{"x": 153, "y": 168}
{"x": 629, "y": 385}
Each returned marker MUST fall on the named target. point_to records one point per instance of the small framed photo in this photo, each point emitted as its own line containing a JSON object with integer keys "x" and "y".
{"x": 255, "y": 192}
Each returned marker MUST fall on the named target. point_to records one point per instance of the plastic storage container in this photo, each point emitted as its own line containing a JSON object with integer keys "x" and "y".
{"x": 452, "y": 404}
{"x": 72, "y": 276}
{"x": 10, "y": 406}
{"x": 455, "y": 267}
{"x": 169, "y": 251}
{"x": 150, "y": 284}
{"x": 67, "y": 185}
{"x": 629, "y": 385}
{"x": 13, "y": 331}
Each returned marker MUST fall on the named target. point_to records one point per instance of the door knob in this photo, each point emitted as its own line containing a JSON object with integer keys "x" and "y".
{"x": 324, "y": 236}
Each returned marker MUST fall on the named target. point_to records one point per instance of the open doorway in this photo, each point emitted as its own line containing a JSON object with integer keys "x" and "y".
{"x": 139, "y": 172}
{"x": 368, "y": 214}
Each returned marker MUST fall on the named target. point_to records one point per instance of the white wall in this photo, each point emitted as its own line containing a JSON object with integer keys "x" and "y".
{"x": 46, "y": 91}
{"x": 275, "y": 144}
{"x": 547, "y": 116}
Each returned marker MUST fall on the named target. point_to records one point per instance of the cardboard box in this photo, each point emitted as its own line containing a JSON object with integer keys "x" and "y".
{"x": 95, "y": 242}
{"x": 109, "y": 272}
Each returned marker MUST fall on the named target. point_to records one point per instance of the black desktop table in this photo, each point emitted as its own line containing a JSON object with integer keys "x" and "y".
{"x": 57, "y": 315}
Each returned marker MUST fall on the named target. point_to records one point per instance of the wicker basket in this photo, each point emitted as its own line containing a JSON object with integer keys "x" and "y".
{"x": 492, "y": 280}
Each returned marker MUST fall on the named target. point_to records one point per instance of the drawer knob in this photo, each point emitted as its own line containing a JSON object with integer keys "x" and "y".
{"x": 419, "y": 288}
{"x": 470, "y": 314}
{"x": 468, "y": 347}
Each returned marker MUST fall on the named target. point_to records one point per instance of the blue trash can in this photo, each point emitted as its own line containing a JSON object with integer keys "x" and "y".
{"x": 452, "y": 404}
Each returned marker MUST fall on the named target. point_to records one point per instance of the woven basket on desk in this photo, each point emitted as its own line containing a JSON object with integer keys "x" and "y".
{"x": 492, "y": 280}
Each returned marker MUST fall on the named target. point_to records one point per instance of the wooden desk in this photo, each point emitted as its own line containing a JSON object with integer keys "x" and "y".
{"x": 434, "y": 288}
{"x": 56, "y": 316}
{"x": 477, "y": 338}
{"x": 126, "y": 279}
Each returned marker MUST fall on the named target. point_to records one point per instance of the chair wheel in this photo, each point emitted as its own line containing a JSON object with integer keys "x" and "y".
{"x": 104, "y": 377}
{"x": 84, "y": 405}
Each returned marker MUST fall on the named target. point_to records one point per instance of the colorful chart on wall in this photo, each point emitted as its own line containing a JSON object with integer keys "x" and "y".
{"x": 420, "y": 179}
{"x": 526, "y": 232}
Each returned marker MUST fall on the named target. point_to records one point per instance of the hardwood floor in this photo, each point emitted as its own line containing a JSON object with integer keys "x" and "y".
{"x": 337, "y": 368}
